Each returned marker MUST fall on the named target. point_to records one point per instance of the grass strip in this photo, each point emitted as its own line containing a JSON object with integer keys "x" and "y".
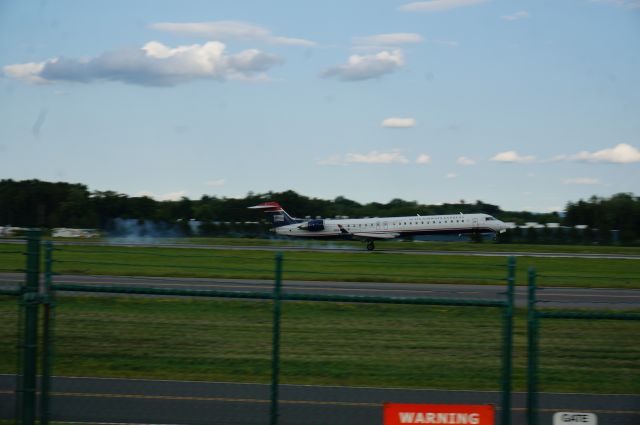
{"x": 331, "y": 266}
{"x": 326, "y": 344}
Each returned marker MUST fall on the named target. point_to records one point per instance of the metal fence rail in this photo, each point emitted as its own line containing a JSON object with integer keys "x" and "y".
{"x": 120, "y": 261}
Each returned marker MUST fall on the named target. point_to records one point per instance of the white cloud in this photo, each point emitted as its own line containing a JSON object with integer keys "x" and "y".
{"x": 229, "y": 30}
{"x": 28, "y": 72}
{"x": 423, "y": 159}
{"x": 154, "y": 64}
{"x": 582, "y": 180}
{"x": 619, "y": 154}
{"x": 447, "y": 43}
{"x": 628, "y": 4}
{"x": 399, "y": 122}
{"x": 463, "y": 160}
{"x": 512, "y": 156}
{"x": 216, "y": 183}
{"x": 451, "y": 176}
{"x": 392, "y": 39}
{"x": 516, "y": 16}
{"x": 363, "y": 67}
{"x": 437, "y": 5}
{"x": 373, "y": 157}
{"x": 171, "y": 196}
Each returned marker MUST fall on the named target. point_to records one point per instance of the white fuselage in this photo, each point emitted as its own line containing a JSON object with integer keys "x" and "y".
{"x": 391, "y": 227}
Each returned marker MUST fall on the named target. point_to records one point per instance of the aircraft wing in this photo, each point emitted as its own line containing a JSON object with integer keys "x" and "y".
{"x": 369, "y": 235}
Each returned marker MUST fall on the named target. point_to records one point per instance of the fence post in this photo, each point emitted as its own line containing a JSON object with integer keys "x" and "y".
{"x": 48, "y": 320}
{"x": 507, "y": 341}
{"x": 30, "y": 335}
{"x": 275, "y": 356}
{"x": 532, "y": 355}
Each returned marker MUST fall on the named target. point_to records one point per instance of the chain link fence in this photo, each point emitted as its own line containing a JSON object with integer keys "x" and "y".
{"x": 147, "y": 335}
{"x": 583, "y": 358}
{"x": 175, "y": 330}
{"x": 12, "y": 276}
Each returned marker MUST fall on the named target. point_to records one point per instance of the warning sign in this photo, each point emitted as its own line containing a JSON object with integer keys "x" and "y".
{"x": 450, "y": 414}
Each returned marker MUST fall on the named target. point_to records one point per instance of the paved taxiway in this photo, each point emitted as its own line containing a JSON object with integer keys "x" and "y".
{"x": 123, "y": 401}
{"x": 592, "y": 298}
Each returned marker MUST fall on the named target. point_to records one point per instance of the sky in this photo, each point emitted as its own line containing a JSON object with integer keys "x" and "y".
{"x": 524, "y": 104}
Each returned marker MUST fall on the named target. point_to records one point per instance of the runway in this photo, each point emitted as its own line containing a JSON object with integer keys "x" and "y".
{"x": 306, "y": 246}
{"x": 127, "y": 401}
{"x": 582, "y": 298}
{"x": 380, "y": 248}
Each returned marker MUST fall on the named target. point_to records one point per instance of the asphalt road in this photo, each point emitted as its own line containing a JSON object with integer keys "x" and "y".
{"x": 591, "y": 298}
{"x": 179, "y": 402}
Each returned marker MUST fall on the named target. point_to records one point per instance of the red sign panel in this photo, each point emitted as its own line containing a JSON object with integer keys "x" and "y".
{"x": 450, "y": 414}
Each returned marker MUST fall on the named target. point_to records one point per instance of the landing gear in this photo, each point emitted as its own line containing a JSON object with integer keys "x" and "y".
{"x": 370, "y": 246}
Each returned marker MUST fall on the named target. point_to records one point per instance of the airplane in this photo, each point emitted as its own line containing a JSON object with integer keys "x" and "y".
{"x": 370, "y": 230}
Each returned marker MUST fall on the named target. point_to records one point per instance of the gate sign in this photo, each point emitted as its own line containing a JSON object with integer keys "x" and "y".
{"x": 450, "y": 414}
{"x": 574, "y": 418}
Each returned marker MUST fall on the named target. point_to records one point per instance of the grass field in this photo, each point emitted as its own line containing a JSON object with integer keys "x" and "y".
{"x": 326, "y": 343}
{"x": 329, "y": 266}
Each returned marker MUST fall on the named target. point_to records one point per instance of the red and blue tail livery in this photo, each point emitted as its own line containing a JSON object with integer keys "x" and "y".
{"x": 277, "y": 214}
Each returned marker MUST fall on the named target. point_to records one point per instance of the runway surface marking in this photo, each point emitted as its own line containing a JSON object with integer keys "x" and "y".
{"x": 270, "y": 287}
{"x": 590, "y": 295}
{"x": 305, "y": 402}
{"x": 347, "y": 249}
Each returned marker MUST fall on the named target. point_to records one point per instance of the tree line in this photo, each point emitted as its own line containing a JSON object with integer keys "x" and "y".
{"x": 35, "y": 203}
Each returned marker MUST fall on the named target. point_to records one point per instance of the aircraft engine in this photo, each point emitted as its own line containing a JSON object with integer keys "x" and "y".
{"x": 313, "y": 225}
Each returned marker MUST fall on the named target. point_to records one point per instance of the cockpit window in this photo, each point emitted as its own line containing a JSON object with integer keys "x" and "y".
{"x": 490, "y": 219}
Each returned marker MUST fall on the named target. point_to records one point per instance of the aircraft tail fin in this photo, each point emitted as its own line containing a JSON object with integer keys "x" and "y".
{"x": 276, "y": 213}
